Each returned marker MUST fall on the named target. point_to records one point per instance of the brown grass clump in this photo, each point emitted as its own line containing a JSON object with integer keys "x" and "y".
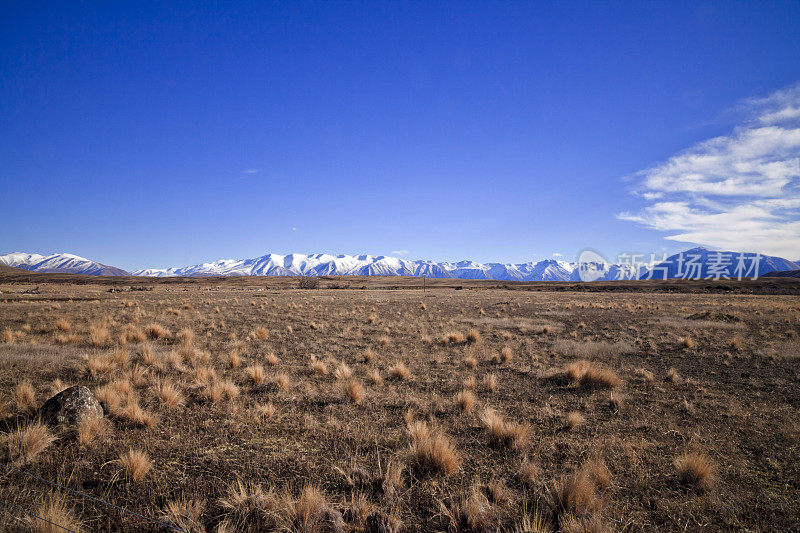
{"x": 369, "y": 355}
{"x": 54, "y": 509}
{"x": 529, "y": 472}
{"x": 375, "y": 377}
{"x": 695, "y": 470}
{"x": 465, "y": 400}
{"x": 272, "y": 359}
{"x": 354, "y": 391}
{"x": 137, "y": 416}
{"x": 343, "y": 371}
{"x": 310, "y": 513}
{"x": 260, "y": 333}
{"x": 256, "y": 374}
{"x": 400, "y": 371}
{"x": 574, "y": 419}
{"x": 686, "y": 342}
{"x": 99, "y": 335}
{"x": 319, "y": 368}
{"x": 505, "y": 433}
{"x": 157, "y": 331}
{"x": 490, "y": 382}
{"x": 267, "y": 410}
{"x": 7, "y": 336}
{"x": 473, "y": 336}
{"x": 471, "y": 362}
{"x": 234, "y": 359}
{"x": 249, "y": 508}
{"x": 185, "y": 514}
{"x": 135, "y": 464}
{"x": 578, "y": 495}
{"x": 454, "y": 337}
{"x": 506, "y": 354}
{"x": 590, "y": 376}
{"x": 26, "y": 443}
{"x": 432, "y": 451}
{"x": 25, "y": 396}
{"x": 132, "y": 335}
{"x": 471, "y": 513}
{"x": 186, "y": 337}
{"x": 92, "y": 428}
{"x": 169, "y": 394}
{"x": 62, "y": 325}
{"x": 282, "y": 381}
{"x": 672, "y": 376}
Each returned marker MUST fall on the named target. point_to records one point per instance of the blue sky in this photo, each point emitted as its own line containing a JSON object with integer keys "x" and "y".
{"x": 165, "y": 134}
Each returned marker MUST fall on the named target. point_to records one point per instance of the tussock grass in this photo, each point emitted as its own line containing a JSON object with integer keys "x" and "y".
{"x": 354, "y": 391}
{"x": 465, "y": 400}
{"x": 400, "y": 371}
{"x": 185, "y": 513}
{"x": 135, "y": 464}
{"x": 431, "y": 450}
{"x": 54, "y": 508}
{"x": 169, "y": 394}
{"x": 25, "y": 443}
{"x": 256, "y": 374}
{"x": 25, "y": 396}
{"x": 505, "y": 433}
{"x": 91, "y": 429}
{"x": 695, "y": 470}
{"x": 248, "y": 507}
{"x": 592, "y": 376}
{"x": 157, "y": 331}
{"x": 309, "y": 512}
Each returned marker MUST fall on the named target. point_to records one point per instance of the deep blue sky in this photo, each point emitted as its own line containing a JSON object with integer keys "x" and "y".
{"x": 163, "y": 134}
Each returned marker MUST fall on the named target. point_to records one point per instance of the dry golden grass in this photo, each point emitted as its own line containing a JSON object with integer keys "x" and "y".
{"x": 369, "y": 355}
{"x": 465, "y": 400}
{"x": 272, "y": 359}
{"x": 248, "y": 507}
{"x": 374, "y": 377}
{"x": 400, "y": 371}
{"x": 186, "y": 514}
{"x": 186, "y": 337}
{"x": 473, "y": 336}
{"x": 490, "y": 382}
{"x": 7, "y": 336}
{"x": 134, "y": 414}
{"x": 91, "y": 429}
{"x": 234, "y": 359}
{"x": 157, "y": 331}
{"x": 282, "y": 381}
{"x": 354, "y": 391}
{"x": 319, "y": 368}
{"x": 169, "y": 394}
{"x": 506, "y": 354}
{"x": 260, "y": 333}
{"x": 53, "y": 509}
{"x": 574, "y": 419}
{"x": 62, "y": 325}
{"x": 343, "y": 371}
{"x": 135, "y": 464}
{"x": 99, "y": 335}
{"x": 24, "y": 444}
{"x": 308, "y": 513}
{"x": 431, "y": 450}
{"x": 25, "y": 396}
{"x": 471, "y": 362}
{"x": 695, "y": 470}
{"x": 505, "y": 433}
{"x": 256, "y": 374}
{"x": 267, "y": 410}
{"x": 592, "y": 376}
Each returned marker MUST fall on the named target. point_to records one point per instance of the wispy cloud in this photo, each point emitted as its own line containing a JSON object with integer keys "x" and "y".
{"x": 740, "y": 191}
{"x": 251, "y": 171}
{"x": 399, "y": 252}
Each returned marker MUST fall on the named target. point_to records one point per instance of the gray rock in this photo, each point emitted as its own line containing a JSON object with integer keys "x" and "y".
{"x": 70, "y": 406}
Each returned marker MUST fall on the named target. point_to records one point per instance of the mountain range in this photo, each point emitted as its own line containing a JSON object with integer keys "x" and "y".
{"x": 695, "y": 263}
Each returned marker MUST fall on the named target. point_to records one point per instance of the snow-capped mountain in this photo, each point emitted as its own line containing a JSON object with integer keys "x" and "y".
{"x": 702, "y": 263}
{"x": 59, "y": 263}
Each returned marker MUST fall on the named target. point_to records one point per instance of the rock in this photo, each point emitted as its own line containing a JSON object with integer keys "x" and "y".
{"x": 70, "y": 406}
{"x": 378, "y": 522}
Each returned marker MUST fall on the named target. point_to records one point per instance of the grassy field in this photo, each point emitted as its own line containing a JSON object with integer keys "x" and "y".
{"x": 250, "y": 405}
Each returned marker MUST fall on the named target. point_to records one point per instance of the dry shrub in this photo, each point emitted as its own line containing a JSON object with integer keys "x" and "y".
{"x": 272, "y": 359}
{"x": 505, "y": 433}
{"x": 55, "y": 509}
{"x": 310, "y": 513}
{"x": 574, "y": 419}
{"x": 400, "y": 371}
{"x": 135, "y": 464}
{"x": 62, "y": 325}
{"x": 247, "y": 507}
{"x": 471, "y": 362}
{"x": 354, "y": 391}
{"x": 25, "y": 396}
{"x": 260, "y": 333}
{"x": 431, "y": 450}
{"x": 169, "y": 394}
{"x": 185, "y": 514}
{"x": 465, "y": 400}
{"x": 26, "y": 443}
{"x": 157, "y": 331}
{"x": 686, "y": 342}
{"x": 92, "y": 428}
{"x": 234, "y": 360}
{"x": 256, "y": 374}
{"x": 695, "y": 470}
{"x": 473, "y": 336}
{"x": 454, "y": 337}
{"x": 490, "y": 382}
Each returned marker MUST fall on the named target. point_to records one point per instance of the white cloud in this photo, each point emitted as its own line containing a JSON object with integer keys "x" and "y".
{"x": 740, "y": 191}
{"x": 556, "y": 254}
{"x": 400, "y": 252}
{"x": 251, "y": 170}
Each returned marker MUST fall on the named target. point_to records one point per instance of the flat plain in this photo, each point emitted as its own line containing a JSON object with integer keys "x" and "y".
{"x": 370, "y": 405}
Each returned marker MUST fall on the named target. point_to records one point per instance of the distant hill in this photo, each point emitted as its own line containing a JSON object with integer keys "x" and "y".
{"x": 702, "y": 263}
{"x": 59, "y": 264}
{"x": 783, "y": 274}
